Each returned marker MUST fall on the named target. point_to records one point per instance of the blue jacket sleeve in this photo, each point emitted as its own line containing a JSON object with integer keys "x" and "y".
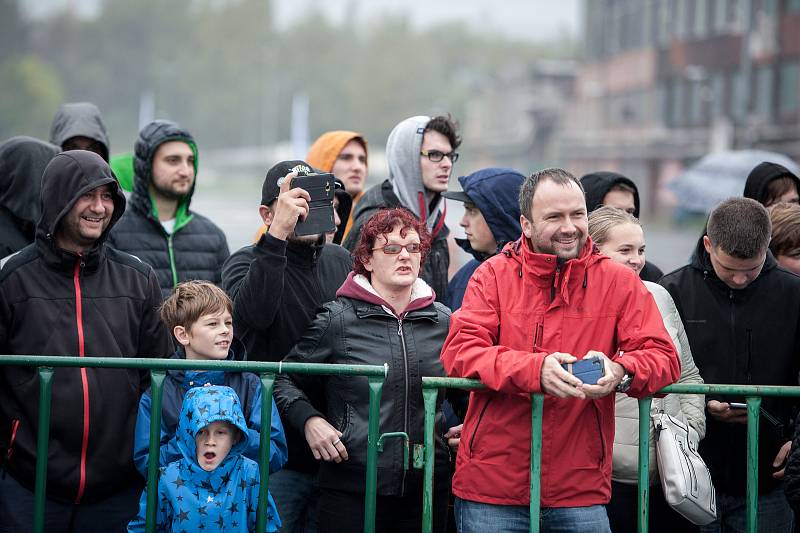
{"x": 163, "y": 514}
{"x": 168, "y": 450}
{"x": 279, "y": 451}
{"x": 141, "y": 435}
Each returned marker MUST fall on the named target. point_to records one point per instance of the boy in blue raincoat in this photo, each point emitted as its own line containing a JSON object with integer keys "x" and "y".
{"x": 213, "y": 487}
{"x": 198, "y": 313}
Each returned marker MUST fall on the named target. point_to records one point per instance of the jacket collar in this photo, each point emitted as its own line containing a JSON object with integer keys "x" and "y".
{"x": 545, "y": 271}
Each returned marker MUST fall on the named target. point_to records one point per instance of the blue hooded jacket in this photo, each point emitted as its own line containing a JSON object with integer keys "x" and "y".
{"x": 191, "y": 499}
{"x": 247, "y": 387}
{"x": 495, "y": 191}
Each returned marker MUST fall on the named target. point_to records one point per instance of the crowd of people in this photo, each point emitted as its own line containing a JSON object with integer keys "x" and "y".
{"x": 103, "y": 256}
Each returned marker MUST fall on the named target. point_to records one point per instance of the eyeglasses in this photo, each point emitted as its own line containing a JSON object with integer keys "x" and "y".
{"x": 437, "y": 155}
{"x": 394, "y": 249}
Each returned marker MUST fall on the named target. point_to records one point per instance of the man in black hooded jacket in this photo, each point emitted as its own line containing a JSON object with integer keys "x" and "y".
{"x": 22, "y": 162}
{"x": 770, "y": 183}
{"x": 615, "y": 190}
{"x": 276, "y": 286}
{"x": 743, "y": 323}
{"x": 159, "y": 228}
{"x": 70, "y": 294}
{"x": 79, "y": 126}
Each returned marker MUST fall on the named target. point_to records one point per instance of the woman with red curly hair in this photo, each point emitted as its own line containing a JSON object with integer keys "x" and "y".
{"x": 384, "y": 313}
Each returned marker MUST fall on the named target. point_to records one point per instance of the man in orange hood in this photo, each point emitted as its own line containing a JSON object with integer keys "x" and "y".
{"x": 343, "y": 154}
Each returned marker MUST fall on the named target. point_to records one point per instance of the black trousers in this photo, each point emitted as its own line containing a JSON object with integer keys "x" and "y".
{"x": 662, "y": 518}
{"x": 108, "y": 516}
{"x": 343, "y": 512}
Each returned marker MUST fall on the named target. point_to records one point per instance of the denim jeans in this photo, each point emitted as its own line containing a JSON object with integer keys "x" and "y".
{"x": 774, "y": 514}
{"x": 476, "y": 517}
{"x": 296, "y": 495}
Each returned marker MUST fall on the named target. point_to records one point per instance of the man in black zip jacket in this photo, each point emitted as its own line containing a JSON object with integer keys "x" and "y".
{"x": 743, "y": 322}
{"x": 70, "y": 294}
{"x": 159, "y": 228}
{"x": 276, "y": 286}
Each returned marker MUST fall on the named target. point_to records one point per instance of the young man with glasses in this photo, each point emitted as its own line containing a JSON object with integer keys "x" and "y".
{"x": 420, "y": 153}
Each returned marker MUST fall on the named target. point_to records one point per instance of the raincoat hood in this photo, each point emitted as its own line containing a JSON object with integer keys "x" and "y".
{"x": 495, "y": 191}
{"x": 22, "y": 163}
{"x": 201, "y": 407}
{"x": 597, "y": 184}
{"x": 150, "y": 138}
{"x": 66, "y": 178}
{"x": 79, "y": 119}
{"x": 760, "y": 177}
{"x": 326, "y": 148}
{"x": 405, "y": 173}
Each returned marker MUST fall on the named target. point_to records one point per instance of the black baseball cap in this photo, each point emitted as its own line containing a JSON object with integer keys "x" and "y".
{"x": 272, "y": 184}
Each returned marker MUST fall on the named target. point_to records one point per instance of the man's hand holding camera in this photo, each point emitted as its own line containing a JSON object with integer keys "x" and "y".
{"x": 561, "y": 384}
{"x": 290, "y": 206}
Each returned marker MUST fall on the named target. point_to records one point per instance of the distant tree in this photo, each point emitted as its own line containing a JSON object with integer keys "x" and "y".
{"x": 30, "y": 93}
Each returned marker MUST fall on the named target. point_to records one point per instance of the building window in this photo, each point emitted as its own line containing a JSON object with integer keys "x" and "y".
{"x": 717, "y": 96}
{"x": 765, "y": 83}
{"x": 738, "y": 106}
{"x": 700, "y": 18}
{"x": 789, "y": 96}
{"x": 677, "y": 101}
{"x": 664, "y": 22}
{"x": 793, "y": 6}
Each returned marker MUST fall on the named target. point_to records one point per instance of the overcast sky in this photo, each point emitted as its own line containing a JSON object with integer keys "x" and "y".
{"x": 526, "y": 19}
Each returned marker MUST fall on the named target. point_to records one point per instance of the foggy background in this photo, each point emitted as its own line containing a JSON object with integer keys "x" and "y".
{"x": 644, "y": 88}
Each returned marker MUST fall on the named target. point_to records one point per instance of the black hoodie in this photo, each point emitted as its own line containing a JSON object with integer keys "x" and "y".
{"x": 747, "y": 336}
{"x": 760, "y": 177}
{"x": 196, "y": 248}
{"x": 22, "y": 162}
{"x": 101, "y": 303}
{"x": 596, "y": 185}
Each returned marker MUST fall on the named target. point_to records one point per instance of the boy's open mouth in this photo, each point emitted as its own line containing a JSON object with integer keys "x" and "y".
{"x": 209, "y": 455}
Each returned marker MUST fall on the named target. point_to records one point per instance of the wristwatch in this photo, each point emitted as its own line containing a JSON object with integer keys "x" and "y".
{"x": 625, "y": 382}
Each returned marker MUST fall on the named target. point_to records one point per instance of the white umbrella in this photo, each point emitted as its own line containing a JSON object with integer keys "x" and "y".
{"x": 719, "y": 176}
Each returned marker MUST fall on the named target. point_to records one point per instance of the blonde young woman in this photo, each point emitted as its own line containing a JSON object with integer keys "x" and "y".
{"x": 619, "y": 235}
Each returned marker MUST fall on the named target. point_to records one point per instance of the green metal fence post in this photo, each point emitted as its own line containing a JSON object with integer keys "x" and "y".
{"x": 429, "y": 398}
{"x": 644, "y": 464}
{"x": 537, "y": 408}
{"x": 42, "y": 446}
{"x": 264, "y": 448}
{"x": 157, "y": 393}
{"x": 753, "y": 415}
{"x": 370, "y": 494}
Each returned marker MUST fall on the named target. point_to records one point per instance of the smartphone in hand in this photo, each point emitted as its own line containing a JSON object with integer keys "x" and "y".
{"x": 589, "y": 369}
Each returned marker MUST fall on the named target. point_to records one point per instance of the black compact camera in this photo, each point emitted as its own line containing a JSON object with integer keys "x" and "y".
{"x": 321, "y": 188}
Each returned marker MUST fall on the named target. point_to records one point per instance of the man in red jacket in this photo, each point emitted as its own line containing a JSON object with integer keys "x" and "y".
{"x": 549, "y": 298}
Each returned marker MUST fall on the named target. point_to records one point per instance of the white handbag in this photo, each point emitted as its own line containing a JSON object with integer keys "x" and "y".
{"x": 685, "y": 478}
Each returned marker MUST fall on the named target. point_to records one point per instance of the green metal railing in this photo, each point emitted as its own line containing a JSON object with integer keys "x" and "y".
{"x": 753, "y": 394}
{"x": 158, "y": 367}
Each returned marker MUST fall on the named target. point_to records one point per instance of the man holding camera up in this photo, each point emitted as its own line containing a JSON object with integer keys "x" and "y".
{"x": 548, "y": 299}
{"x": 276, "y": 286}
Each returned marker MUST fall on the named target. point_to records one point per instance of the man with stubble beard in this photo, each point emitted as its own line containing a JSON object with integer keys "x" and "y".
{"x": 276, "y": 286}
{"x": 160, "y": 229}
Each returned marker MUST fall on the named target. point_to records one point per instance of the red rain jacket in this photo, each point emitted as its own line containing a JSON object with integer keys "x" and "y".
{"x": 518, "y": 308}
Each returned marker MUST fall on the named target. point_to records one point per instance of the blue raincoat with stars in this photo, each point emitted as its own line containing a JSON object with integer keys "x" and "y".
{"x": 193, "y": 500}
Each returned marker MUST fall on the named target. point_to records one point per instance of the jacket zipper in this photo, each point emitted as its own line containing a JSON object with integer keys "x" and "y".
{"x": 405, "y": 392}
{"x": 14, "y": 428}
{"x": 555, "y": 282}
{"x": 76, "y": 278}
{"x": 478, "y": 424}
{"x": 749, "y": 355}
{"x": 600, "y": 433}
{"x": 172, "y": 260}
